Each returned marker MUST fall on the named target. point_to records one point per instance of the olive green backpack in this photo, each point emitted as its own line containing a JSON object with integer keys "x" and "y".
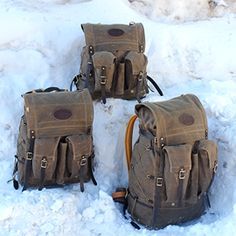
{"x": 55, "y": 144}
{"x": 172, "y": 164}
{"x": 113, "y": 63}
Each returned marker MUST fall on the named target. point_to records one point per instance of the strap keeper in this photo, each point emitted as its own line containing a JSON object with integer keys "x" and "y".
{"x": 120, "y": 195}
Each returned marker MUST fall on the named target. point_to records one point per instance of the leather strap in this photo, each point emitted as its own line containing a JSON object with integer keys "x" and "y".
{"x": 159, "y": 183}
{"x": 90, "y": 166}
{"x": 42, "y": 172}
{"x": 103, "y": 81}
{"x": 139, "y": 85}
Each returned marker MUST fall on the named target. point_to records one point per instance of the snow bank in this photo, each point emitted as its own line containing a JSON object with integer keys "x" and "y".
{"x": 183, "y": 10}
{"x": 40, "y": 43}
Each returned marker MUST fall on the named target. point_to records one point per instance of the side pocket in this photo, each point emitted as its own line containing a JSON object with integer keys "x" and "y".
{"x": 45, "y": 157}
{"x": 103, "y": 61}
{"x": 79, "y": 149}
{"x": 61, "y": 163}
{"x": 176, "y": 172}
{"x": 135, "y": 73}
{"x": 207, "y": 154}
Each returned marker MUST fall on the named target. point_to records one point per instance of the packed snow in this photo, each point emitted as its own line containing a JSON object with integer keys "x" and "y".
{"x": 191, "y": 49}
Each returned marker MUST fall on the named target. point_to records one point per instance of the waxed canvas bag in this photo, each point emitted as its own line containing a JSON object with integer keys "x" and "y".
{"x": 55, "y": 144}
{"x": 172, "y": 165}
{"x": 113, "y": 63}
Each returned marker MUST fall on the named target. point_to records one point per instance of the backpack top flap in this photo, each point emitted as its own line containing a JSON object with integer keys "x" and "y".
{"x": 115, "y": 37}
{"x": 51, "y": 114}
{"x": 175, "y": 121}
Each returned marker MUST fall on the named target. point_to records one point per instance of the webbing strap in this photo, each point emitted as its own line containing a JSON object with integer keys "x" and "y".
{"x": 28, "y": 160}
{"x": 128, "y": 140}
{"x": 15, "y": 182}
{"x": 155, "y": 85}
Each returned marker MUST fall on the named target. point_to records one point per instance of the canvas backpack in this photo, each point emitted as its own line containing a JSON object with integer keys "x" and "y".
{"x": 113, "y": 63}
{"x": 173, "y": 163}
{"x": 55, "y": 144}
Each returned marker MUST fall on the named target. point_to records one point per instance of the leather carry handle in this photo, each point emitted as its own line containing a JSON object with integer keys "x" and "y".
{"x": 49, "y": 89}
{"x": 128, "y": 140}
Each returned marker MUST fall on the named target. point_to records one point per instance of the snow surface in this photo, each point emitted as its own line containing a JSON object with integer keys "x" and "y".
{"x": 40, "y": 45}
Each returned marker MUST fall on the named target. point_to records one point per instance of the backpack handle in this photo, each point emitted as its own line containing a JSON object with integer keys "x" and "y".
{"x": 49, "y": 89}
{"x": 128, "y": 139}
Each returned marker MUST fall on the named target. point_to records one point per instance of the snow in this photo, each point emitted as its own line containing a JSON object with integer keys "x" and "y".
{"x": 40, "y": 45}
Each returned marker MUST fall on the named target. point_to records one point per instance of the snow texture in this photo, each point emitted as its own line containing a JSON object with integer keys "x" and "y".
{"x": 40, "y": 45}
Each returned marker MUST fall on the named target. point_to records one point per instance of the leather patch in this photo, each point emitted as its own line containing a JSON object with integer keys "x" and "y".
{"x": 62, "y": 114}
{"x": 186, "y": 119}
{"x": 115, "y": 32}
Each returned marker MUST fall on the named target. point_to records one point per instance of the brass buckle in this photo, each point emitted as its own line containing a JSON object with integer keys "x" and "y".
{"x": 140, "y": 76}
{"x": 29, "y": 156}
{"x": 44, "y": 163}
{"x": 83, "y": 161}
{"x": 182, "y": 174}
{"x": 103, "y": 80}
{"x": 159, "y": 182}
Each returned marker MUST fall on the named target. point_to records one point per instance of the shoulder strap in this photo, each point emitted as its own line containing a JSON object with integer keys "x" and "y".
{"x": 120, "y": 195}
{"x": 155, "y": 85}
{"x": 128, "y": 139}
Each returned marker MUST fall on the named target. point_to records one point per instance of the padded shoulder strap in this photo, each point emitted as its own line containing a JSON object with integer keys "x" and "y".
{"x": 128, "y": 139}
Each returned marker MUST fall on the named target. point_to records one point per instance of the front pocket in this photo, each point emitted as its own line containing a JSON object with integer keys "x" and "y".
{"x": 176, "y": 172}
{"x": 207, "y": 153}
{"x": 45, "y": 158}
{"x": 135, "y": 72}
{"x": 104, "y": 66}
{"x": 79, "y": 150}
